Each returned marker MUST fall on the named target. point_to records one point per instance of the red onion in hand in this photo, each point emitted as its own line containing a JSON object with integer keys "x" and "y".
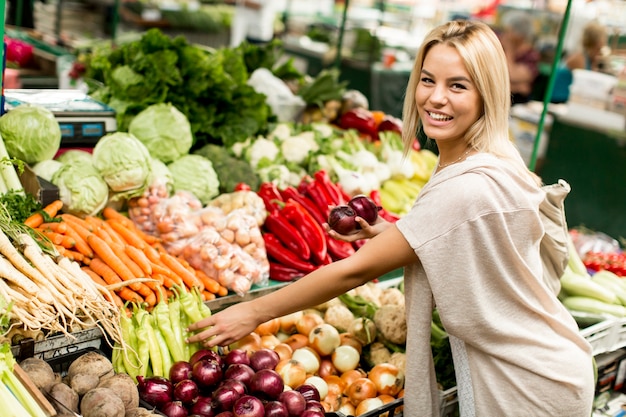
{"x": 342, "y": 219}
{"x": 365, "y": 208}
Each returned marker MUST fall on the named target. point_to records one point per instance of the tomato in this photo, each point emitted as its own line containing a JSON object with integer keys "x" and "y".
{"x": 242, "y": 186}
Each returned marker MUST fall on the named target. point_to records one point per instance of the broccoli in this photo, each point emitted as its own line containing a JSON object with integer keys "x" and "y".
{"x": 230, "y": 170}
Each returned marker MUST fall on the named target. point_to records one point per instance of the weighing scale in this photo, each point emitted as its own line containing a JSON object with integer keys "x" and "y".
{"x": 83, "y": 120}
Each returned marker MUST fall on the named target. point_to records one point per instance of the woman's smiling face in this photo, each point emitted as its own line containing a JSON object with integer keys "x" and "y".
{"x": 447, "y": 100}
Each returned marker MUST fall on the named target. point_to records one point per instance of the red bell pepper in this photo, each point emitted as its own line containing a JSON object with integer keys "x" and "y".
{"x": 242, "y": 186}
{"x": 283, "y": 273}
{"x": 361, "y": 120}
{"x": 310, "y": 229}
{"x": 277, "y": 251}
{"x": 278, "y": 225}
{"x": 306, "y": 202}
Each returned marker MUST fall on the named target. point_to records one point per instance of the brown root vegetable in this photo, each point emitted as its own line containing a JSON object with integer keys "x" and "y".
{"x": 40, "y": 372}
{"x": 66, "y": 396}
{"x": 102, "y": 402}
{"x": 82, "y": 383}
{"x": 138, "y": 412}
{"x": 391, "y": 323}
{"x": 93, "y": 364}
{"x": 124, "y": 386}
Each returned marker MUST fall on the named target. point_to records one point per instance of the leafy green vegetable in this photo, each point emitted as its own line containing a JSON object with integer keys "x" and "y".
{"x": 326, "y": 86}
{"x": 230, "y": 170}
{"x": 81, "y": 188}
{"x": 124, "y": 163}
{"x": 20, "y": 205}
{"x": 195, "y": 174}
{"x": 30, "y": 133}
{"x": 207, "y": 86}
{"x": 164, "y": 130}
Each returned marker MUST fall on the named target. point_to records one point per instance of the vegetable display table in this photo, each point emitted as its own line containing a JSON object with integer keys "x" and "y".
{"x": 587, "y": 148}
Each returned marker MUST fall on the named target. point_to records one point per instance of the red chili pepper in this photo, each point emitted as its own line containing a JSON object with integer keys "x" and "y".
{"x": 283, "y": 273}
{"x": 290, "y": 236}
{"x": 277, "y": 251}
{"x": 310, "y": 229}
{"x": 316, "y": 192}
{"x": 338, "y": 249}
{"x": 304, "y": 184}
{"x": 270, "y": 195}
{"x": 306, "y": 202}
{"x": 333, "y": 192}
{"x": 242, "y": 186}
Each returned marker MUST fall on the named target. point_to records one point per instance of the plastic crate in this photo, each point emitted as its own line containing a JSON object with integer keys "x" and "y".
{"x": 601, "y": 336}
{"x": 618, "y": 340}
{"x": 449, "y": 403}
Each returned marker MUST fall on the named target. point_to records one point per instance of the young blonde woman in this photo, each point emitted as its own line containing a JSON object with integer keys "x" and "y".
{"x": 469, "y": 246}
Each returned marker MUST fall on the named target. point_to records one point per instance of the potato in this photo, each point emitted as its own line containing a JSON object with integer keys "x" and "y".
{"x": 138, "y": 412}
{"x": 102, "y": 402}
{"x": 124, "y": 387}
{"x": 92, "y": 363}
{"x": 66, "y": 396}
{"x": 40, "y": 372}
{"x": 82, "y": 383}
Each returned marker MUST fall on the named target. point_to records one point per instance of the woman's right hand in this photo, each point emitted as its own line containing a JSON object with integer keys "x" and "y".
{"x": 367, "y": 230}
{"x": 225, "y": 327}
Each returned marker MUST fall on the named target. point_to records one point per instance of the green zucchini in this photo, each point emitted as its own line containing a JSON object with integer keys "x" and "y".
{"x": 578, "y": 285}
{"x": 593, "y": 305}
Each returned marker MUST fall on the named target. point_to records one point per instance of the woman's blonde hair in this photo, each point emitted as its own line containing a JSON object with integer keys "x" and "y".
{"x": 483, "y": 56}
{"x": 594, "y": 35}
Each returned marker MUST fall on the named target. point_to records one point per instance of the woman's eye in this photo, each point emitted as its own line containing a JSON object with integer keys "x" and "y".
{"x": 458, "y": 86}
{"x": 426, "y": 80}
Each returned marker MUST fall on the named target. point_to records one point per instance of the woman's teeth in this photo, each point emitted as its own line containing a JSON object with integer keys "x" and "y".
{"x": 439, "y": 117}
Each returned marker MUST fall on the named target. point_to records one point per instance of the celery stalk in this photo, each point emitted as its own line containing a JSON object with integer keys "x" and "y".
{"x": 15, "y": 388}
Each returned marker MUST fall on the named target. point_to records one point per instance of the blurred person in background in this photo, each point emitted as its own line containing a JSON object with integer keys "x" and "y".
{"x": 593, "y": 45}
{"x": 253, "y": 21}
{"x": 518, "y": 37}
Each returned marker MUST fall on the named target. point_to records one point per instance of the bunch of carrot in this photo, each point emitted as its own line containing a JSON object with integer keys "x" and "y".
{"x": 119, "y": 256}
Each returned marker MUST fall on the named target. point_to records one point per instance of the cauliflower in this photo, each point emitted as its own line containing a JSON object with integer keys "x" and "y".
{"x": 261, "y": 150}
{"x": 297, "y": 148}
{"x": 392, "y": 296}
{"x": 399, "y": 360}
{"x": 369, "y": 291}
{"x": 378, "y": 354}
{"x": 324, "y": 129}
{"x": 339, "y": 316}
{"x": 281, "y": 132}
{"x": 390, "y": 322}
{"x": 278, "y": 174}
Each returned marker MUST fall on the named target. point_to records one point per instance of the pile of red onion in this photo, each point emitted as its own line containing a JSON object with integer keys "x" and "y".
{"x": 342, "y": 218}
{"x": 239, "y": 384}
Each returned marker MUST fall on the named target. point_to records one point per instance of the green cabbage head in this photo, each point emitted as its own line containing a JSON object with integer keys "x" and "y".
{"x": 123, "y": 161}
{"x": 30, "y": 133}
{"x": 72, "y": 155}
{"x": 46, "y": 169}
{"x": 81, "y": 188}
{"x": 164, "y": 130}
{"x": 195, "y": 173}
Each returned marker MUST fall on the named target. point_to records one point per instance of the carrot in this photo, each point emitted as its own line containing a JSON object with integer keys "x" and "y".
{"x": 74, "y": 255}
{"x": 121, "y": 254}
{"x": 189, "y": 278}
{"x": 81, "y": 243}
{"x": 64, "y": 240}
{"x": 59, "y": 227}
{"x": 106, "y": 253}
{"x": 210, "y": 284}
{"x": 109, "y": 295}
{"x": 112, "y": 214}
{"x": 51, "y": 210}
{"x": 166, "y": 281}
{"x": 110, "y": 276}
{"x": 129, "y": 295}
{"x": 128, "y": 234}
{"x": 170, "y": 276}
{"x": 113, "y": 234}
{"x": 140, "y": 258}
{"x": 208, "y": 295}
{"x": 94, "y": 221}
{"x": 75, "y": 220}
{"x": 223, "y": 291}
